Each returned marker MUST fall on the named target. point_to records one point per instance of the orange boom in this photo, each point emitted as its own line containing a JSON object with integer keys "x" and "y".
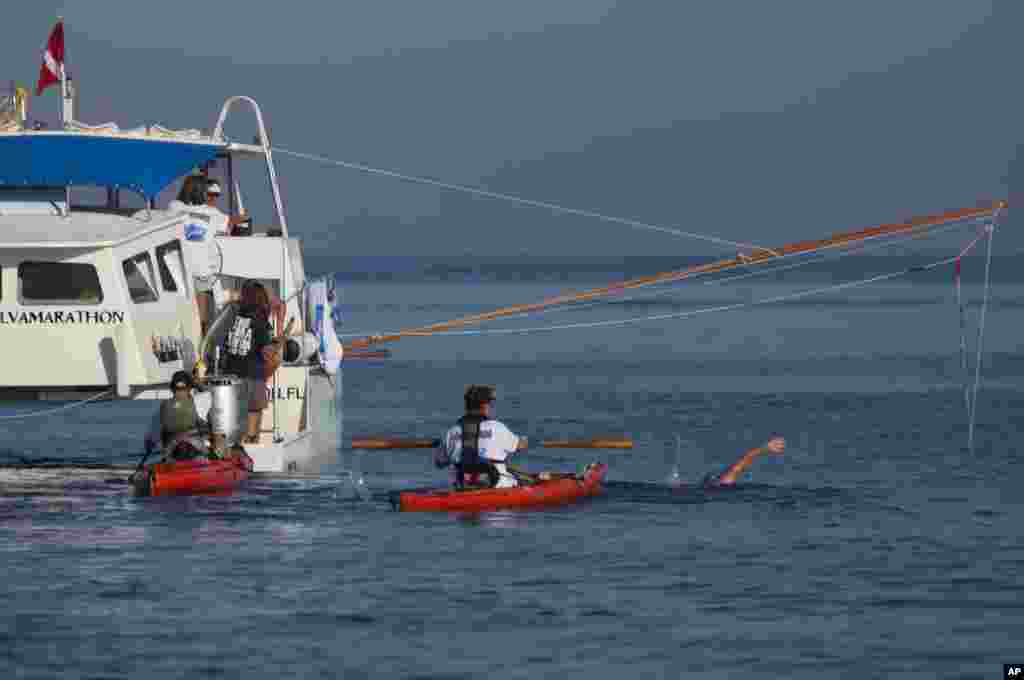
{"x": 760, "y": 256}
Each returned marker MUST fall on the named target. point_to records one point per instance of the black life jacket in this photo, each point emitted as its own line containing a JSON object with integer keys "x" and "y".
{"x": 471, "y": 461}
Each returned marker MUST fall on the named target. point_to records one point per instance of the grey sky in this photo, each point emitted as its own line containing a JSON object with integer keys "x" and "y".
{"x": 749, "y": 120}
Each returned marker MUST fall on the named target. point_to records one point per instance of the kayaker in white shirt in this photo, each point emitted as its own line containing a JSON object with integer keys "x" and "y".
{"x": 479, "y": 446}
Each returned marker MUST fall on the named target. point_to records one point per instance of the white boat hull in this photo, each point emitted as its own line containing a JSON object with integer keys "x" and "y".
{"x": 294, "y": 453}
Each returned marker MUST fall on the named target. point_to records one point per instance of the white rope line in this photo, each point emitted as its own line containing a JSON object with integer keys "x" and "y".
{"x": 856, "y": 249}
{"x": 971, "y": 245}
{"x": 704, "y": 310}
{"x": 981, "y": 339}
{"x": 963, "y": 340}
{"x": 517, "y": 199}
{"x": 66, "y": 407}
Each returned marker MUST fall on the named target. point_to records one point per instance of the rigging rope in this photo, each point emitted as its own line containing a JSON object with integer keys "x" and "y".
{"x": 19, "y": 416}
{"x": 981, "y": 339}
{"x": 963, "y": 338}
{"x": 963, "y": 318}
{"x": 637, "y": 224}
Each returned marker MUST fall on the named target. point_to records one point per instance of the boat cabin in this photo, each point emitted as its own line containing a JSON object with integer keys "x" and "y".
{"x": 97, "y": 295}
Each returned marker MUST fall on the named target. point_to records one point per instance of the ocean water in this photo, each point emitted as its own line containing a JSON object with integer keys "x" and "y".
{"x": 877, "y": 546}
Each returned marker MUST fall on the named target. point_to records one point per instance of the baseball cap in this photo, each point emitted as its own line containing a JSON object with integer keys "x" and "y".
{"x": 181, "y": 379}
{"x": 478, "y": 395}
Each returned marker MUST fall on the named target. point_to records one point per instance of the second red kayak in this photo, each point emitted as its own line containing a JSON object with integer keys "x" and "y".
{"x": 194, "y": 476}
{"x": 558, "y": 491}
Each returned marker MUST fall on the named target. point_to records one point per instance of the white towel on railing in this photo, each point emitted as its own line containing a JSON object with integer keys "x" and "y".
{"x": 322, "y": 314}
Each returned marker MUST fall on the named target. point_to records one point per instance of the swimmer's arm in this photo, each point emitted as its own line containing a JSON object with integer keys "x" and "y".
{"x": 777, "y": 445}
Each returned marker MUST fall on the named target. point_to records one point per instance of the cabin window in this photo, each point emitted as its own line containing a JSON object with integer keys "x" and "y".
{"x": 140, "y": 277}
{"x": 171, "y": 266}
{"x": 58, "y": 283}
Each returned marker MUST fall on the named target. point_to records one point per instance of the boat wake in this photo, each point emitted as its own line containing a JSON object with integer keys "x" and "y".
{"x": 54, "y": 478}
{"x": 57, "y": 478}
{"x": 660, "y": 493}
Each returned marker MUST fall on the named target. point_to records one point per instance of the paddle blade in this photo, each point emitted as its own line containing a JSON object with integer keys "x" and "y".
{"x": 398, "y": 443}
{"x": 375, "y": 443}
{"x": 589, "y": 444}
{"x": 368, "y": 354}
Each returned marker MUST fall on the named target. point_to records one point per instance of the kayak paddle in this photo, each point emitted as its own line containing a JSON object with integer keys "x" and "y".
{"x": 395, "y": 443}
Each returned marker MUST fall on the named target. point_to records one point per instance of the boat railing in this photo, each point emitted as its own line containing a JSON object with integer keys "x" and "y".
{"x": 264, "y": 141}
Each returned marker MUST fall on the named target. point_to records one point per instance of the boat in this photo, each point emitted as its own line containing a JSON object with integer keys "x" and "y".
{"x": 193, "y": 476}
{"x": 98, "y": 292}
{"x": 558, "y": 490}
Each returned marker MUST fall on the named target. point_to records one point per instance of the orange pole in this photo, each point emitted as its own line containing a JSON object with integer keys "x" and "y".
{"x": 589, "y": 444}
{"x": 385, "y": 443}
{"x": 760, "y": 256}
{"x": 372, "y": 443}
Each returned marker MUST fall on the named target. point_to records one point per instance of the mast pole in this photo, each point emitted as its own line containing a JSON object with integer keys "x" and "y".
{"x": 65, "y": 114}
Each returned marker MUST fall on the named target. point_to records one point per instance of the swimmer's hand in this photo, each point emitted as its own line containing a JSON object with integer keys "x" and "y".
{"x": 776, "y": 445}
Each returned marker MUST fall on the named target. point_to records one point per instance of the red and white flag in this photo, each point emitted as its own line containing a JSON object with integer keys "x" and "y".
{"x": 53, "y": 59}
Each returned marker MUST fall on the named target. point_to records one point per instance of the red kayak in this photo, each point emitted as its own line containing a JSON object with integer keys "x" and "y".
{"x": 193, "y": 476}
{"x": 558, "y": 491}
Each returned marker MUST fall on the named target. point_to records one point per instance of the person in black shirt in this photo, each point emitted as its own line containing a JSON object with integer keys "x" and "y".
{"x": 250, "y": 353}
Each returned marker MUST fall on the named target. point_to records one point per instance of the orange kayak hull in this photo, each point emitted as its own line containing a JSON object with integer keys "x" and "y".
{"x": 197, "y": 476}
{"x": 543, "y": 494}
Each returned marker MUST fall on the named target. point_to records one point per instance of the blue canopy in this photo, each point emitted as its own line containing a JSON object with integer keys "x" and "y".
{"x": 58, "y": 159}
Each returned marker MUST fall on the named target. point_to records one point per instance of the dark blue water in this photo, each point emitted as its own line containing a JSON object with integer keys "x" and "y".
{"x": 877, "y": 546}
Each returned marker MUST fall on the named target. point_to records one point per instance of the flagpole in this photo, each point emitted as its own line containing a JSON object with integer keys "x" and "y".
{"x": 63, "y": 80}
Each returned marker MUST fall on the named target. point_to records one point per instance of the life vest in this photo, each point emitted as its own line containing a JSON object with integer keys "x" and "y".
{"x": 471, "y": 461}
{"x": 177, "y": 416}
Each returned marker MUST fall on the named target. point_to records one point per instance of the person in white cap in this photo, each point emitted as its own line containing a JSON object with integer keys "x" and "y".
{"x": 208, "y": 263}
{"x": 221, "y": 224}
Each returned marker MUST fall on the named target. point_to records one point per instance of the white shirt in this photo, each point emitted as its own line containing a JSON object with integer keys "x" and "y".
{"x": 497, "y": 444}
{"x": 204, "y": 222}
{"x": 218, "y": 220}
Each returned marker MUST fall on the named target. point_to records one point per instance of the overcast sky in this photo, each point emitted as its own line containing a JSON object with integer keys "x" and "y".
{"x": 754, "y": 121}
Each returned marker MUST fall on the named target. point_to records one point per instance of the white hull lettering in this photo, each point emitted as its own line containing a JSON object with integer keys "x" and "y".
{"x": 65, "y": 317}
{"x": 285, "y": 393}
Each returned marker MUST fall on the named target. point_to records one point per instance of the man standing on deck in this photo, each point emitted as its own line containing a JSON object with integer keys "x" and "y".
{"x": 221, "y": 224}
{"x": 198, "y": 199}
{"x": 478, "y": 444}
